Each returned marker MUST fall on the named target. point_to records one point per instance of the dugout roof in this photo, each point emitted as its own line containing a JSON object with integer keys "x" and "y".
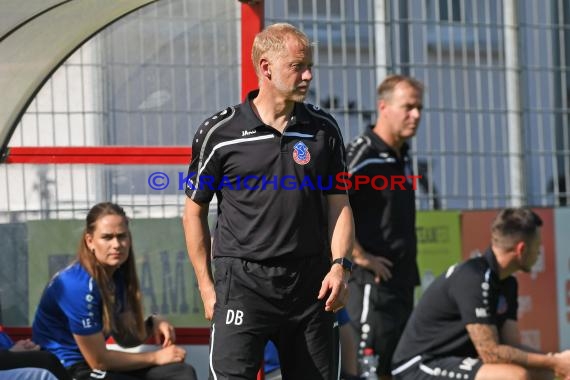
{"x": 36, "y": 36}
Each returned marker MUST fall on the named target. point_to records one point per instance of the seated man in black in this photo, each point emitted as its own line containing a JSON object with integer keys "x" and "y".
{"x": 465, "y": 326}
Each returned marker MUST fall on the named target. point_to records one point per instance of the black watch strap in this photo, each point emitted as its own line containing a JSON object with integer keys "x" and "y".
{"x": 344, "y": 262}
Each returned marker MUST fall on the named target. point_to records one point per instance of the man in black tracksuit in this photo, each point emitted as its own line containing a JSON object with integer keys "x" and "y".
{"x": 272, "y": 162}
{"x": 383, "y": 281}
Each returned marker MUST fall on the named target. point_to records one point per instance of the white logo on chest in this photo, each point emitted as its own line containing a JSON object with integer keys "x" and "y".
{"x": 248, "y": 133}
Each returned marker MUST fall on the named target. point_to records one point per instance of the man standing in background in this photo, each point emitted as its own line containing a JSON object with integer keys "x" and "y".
{"x": 383, "y": 281}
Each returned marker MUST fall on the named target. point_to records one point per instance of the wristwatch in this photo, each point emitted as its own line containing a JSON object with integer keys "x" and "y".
{"x": 344, "y": 262}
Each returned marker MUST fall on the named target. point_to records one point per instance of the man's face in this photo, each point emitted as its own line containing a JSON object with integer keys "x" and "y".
{"x": 401, "y": 113}
{"x": 530, "y": 253}
{"x": 291, "y": 71}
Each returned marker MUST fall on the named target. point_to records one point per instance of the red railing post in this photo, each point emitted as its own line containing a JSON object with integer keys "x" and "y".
{"x": 252, "y": 20}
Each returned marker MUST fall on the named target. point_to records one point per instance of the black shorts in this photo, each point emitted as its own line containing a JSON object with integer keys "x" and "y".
{"x": 37, "y": 359}
{"x": 278, "y": 301}
{"x": 452, "y": 367}
{"x": 378, "y": 314}
{"x": 175, "y": 371}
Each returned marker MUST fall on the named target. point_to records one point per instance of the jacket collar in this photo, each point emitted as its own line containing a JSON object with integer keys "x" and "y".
{"x": 381, "y": 146}
{"x": 300, "y": 114}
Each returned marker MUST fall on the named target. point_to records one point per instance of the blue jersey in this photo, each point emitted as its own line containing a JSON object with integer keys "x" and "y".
{"x": 5, "y": 341}
{"x": 70, "y": 304}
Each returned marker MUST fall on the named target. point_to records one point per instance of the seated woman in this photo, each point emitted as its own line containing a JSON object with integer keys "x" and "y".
{"x": 98, "y": 296}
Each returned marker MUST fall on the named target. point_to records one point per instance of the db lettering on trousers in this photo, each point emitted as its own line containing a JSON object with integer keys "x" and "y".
{"x": 234, "y": 317}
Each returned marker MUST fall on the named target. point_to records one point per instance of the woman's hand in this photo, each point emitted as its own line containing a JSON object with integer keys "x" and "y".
{"x": 170, "y": 354}
{"x": 24, "y": 345}
{"x": 162, "y": 328}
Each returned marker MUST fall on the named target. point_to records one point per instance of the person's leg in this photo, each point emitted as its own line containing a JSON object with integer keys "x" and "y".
{"x": 245, "y": 309}
{"x": 308, "y": 343}
{"x": 504, "y": 372}
{"x": 349, "y": 363}
{"x": 173, "y": 371}
{"x": 393, "y": 308}
{"x": 36, "y": 359}
{"x": 361, "y": 307}
{"x": 27, "y": 374}
{"x": 441, "y": 368}
{"x": 82, "y": 371}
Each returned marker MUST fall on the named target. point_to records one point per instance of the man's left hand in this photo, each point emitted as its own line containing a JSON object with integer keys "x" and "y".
{"x": 336, "y": 286}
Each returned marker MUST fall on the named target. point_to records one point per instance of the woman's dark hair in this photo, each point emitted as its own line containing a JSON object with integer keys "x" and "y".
{"x": 129, "y": 324}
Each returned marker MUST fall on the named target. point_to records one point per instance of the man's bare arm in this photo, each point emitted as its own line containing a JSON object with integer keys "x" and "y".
{"x": 341, "y": 225}
{"x": 198, "y": 243}
{"x": 485, "y": 338}
{"x": 341, "y": 229}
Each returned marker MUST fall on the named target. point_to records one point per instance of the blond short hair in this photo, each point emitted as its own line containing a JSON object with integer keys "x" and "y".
{"x": 272, "y": 39}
